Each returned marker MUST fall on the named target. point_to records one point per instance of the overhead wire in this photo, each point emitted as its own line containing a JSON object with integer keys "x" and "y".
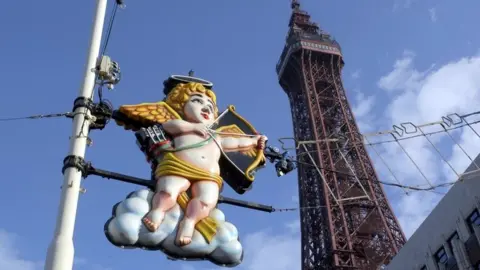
{"x": 438, "y": 151}
{"x": 416, "y": 188}
{"x": 310, "y": 207}
{"x": 392, "y": 140}
{"x": 431, "y": 186}
{"x": 427, "y": 133}
{"x": 468, "y": 124}
{"x": 390, "y": 170}
{"x": 411, "y": 160}
{"x": 37, "y": 116}
{"x": 110, "y": 26}
{"x": 400, "y": 136}
{"x": 447, "y": 124}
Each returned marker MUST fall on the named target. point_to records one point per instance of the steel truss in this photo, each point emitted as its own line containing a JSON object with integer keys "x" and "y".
{"x": 357, "y": 229}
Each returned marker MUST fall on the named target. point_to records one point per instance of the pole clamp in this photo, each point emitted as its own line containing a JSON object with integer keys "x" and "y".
{"x": 102, "y": 111}
{"x": 82, "y": 102}
{"x": 73, "y": 161}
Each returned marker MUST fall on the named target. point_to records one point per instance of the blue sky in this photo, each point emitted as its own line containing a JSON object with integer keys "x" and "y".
{"x": 406, "y": 60}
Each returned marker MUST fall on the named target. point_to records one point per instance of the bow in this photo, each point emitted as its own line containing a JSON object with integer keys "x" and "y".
{"x": 238, "y": 168}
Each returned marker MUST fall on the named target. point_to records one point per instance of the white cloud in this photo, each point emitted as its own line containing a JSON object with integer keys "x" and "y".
{"x": 186, "y": 267}
{"x": 79, "y": 261}
{"x": 433, "y": 14}
{"x": 266, "y": 250}
{"x": 295, "y": 199}
{"x": 293, "y": 226}
{"x": 403, "y": 76}
{"x": 84, "y": 264}
{"x": 413, "y": 209}
{"x": 98, "y": 267}
{"x": 356, "y": 74}
{"x": 402, "y": 4}
{"x": 10, "y": 257}
{"x": 362, "y": 110}
{"x": 421, "y": 97}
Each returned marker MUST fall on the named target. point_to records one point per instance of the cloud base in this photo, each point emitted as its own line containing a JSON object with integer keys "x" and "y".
{"x": 125, "y": 229}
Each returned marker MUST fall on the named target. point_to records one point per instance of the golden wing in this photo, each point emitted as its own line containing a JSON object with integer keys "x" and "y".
{"x": 147, "y": 114}
{"x": 235, "y": 132}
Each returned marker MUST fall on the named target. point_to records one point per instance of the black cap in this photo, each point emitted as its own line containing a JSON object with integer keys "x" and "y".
{"x": 173, "y": 80}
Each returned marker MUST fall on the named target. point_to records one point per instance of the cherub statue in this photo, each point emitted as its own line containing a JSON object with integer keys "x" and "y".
{"x": 190, "y": 162}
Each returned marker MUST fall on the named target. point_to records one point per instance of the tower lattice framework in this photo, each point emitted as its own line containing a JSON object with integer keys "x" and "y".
{"x": 346, "y": 221}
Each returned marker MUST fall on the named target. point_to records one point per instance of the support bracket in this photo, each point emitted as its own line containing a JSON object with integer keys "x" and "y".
{"x": 102, "y": 111}
{"x": 75, "y": 162}
{"x": 88, "y": 169}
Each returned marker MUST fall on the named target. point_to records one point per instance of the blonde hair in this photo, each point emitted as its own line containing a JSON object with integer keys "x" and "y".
{"x": 182, "y": 92}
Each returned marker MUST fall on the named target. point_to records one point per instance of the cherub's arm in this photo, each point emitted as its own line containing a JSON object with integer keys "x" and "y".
{"x": 234, "y": 144}
{"x": 177, "y": 126}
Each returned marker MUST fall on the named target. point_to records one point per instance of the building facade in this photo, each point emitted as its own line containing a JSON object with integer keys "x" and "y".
{"x": 449, "y": 237}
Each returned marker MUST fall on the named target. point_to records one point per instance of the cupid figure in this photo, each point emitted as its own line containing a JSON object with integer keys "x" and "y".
{"x": 192, "y": 162}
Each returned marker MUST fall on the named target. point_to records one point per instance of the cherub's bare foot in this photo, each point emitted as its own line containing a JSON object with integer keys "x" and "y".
{"x": 150, "y": 225}
{"x": 185, "y": 232}
{"x": 184, "y": 240}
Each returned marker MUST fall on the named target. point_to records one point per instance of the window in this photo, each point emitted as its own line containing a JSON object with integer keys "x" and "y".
{"x": 451, "y": 239}
{"x": 473, "y": 220}
{"x": 441, "y": 256}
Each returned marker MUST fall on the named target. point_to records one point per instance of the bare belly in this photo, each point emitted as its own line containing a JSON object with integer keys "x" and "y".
{"x": 205, "y": 157}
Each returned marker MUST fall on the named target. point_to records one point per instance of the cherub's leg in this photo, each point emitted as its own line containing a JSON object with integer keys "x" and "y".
{"x": 167, "y": 190}
{"x": 205, "y": 197}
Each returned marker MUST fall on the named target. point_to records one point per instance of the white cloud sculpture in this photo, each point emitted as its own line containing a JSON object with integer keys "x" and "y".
{"x": 125, "y": 229}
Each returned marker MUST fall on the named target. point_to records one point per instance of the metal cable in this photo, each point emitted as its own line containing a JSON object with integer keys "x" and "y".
{"x": 37, "y": 116}
{"x": 387, "y": 166}
{"x": 411, "y": 159}
{"x": 438, "y": 152}
{"x": 416, "y": 188}
{"x": 109, "y": 28}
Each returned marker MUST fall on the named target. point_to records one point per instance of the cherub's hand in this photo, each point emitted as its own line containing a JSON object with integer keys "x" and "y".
{"x": 261, "y": 142}
{"x": 201, "y": 129}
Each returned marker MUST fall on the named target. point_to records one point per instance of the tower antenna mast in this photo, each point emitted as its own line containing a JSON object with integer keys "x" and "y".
{"x": 61, "y": 250}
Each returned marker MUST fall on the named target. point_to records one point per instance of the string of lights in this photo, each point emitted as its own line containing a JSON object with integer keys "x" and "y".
{"x": 415, "y": 188}
{"x": 430, "y": 187}
{"x": 448, "y": 124}
{"x": 402, "y": 132}
{"x": 400, "y": 135}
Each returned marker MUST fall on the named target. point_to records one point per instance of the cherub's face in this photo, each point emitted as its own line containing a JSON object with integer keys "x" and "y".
{"x": 200, "y": 109}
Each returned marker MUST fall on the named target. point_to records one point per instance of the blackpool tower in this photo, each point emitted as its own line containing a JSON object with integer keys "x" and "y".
{"x": 346, "y": 219}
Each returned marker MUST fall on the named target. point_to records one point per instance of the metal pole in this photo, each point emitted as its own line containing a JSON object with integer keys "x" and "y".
{"x": 61, "y": 250}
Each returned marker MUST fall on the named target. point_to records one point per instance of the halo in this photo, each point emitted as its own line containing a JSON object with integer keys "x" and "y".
{"x": 173, "y": 80}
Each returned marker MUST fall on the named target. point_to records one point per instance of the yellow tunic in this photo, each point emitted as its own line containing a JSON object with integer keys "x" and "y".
{"x": 171, "y": 165}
